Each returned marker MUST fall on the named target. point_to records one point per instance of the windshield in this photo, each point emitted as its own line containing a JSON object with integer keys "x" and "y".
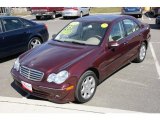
{"x": 89, "y": 33}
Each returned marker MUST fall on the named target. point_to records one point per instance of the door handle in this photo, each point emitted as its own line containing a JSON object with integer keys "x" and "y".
{"x": 125, "y": 43}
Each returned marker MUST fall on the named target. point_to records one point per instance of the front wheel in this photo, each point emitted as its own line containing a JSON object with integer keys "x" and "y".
{"x": 86, "y": 87}
{"x": 142, "y": 53}
{"x": 34, "y": 42}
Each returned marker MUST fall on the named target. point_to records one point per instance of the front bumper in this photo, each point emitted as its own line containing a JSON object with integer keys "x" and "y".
{"x": 41, "y": 90}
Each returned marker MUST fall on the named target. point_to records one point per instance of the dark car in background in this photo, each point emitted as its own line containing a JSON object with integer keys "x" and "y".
{"x": 135, "y": 11}
{"x": 18, "y": 35}
{"x": 158, "y": 20}
{"x": 155, "y": 11}
{"x": 82, "y": 55}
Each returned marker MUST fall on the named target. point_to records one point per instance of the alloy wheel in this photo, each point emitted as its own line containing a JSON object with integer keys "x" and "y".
{"x": 34, "y": 43}
{"x": 142, "y": 52}
{"x": 88, "y": 87}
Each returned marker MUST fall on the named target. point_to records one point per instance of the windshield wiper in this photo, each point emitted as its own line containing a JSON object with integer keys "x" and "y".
{"x": 58, "y": 40}
{"x": 77, "y": 43}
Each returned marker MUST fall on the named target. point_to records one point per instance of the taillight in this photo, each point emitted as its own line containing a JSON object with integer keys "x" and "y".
{"x": 75, "y": 8}
{"x": 46, "y": 26}
{"x": 71, "y": 8}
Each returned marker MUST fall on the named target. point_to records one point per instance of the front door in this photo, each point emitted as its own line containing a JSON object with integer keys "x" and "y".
{"x": 115, "y": 57}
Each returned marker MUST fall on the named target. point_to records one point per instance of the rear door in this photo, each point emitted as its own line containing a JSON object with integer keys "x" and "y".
{"x": 133, "y": 37}
{"x": 14, "y": 35}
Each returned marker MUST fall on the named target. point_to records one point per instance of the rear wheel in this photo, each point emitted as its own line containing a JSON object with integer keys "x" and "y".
{"x": 38, "y": 17}
{"x": 86, "y": 87}
{"x": 142, "y": 53}
{"x": 34, "y": 42}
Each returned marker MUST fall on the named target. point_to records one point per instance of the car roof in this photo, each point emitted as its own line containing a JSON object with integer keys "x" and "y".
{"x": 8, "y": 17}
{"x": 103, "y": 18}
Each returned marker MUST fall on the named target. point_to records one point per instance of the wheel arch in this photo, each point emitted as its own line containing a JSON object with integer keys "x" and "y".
{"x": 38, "y": 36}
{"x": 146, "y": 42}
{"x": 95, "y": 70}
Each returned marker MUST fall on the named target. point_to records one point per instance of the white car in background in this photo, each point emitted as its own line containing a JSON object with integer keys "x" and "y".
{"x": 75, "y": 11}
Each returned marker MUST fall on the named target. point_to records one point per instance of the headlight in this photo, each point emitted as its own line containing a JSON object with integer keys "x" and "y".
{"x": 16, "y": 64}
{"x": 58, "y": 78}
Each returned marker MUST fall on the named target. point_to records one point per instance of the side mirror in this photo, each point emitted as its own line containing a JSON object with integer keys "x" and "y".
{"x": 113, "y": 44}
{"x": 54, "y": 35}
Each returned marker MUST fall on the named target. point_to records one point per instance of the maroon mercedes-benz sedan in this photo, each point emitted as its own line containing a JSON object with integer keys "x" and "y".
{"x": 83, "y": 54}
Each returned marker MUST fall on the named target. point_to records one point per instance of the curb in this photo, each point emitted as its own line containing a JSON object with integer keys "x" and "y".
{"x": 9, "y": 105}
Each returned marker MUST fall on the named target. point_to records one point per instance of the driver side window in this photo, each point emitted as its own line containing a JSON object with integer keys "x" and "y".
{"x": 117, "y": 32}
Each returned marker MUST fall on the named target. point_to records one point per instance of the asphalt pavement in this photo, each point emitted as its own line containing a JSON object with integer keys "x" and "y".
{"x": 136, "y": 87}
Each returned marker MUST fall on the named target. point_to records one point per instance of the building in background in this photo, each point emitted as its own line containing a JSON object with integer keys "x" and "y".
{"x": 5, "y": 10}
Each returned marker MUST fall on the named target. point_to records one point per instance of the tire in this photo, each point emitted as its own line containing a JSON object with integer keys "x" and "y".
{"x": 140, "y": 15}
{"x": 38, "y": 17}
{"x": 35, "y": 40}
{"x": 84, "y": 85}
{"x": 141, "y": 53}
{"x": 64, "y": 17}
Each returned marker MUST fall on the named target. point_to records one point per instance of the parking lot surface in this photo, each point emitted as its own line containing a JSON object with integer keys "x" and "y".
{"x": 136, "y": 87}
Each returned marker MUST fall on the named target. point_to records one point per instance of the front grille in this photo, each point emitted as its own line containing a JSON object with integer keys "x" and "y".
{"x": 31, "y": 74}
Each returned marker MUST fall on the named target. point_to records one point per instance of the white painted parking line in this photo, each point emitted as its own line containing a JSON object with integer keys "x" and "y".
{"x": 142, "y": 18}
{"x": 155, "y": 42}
{"x": 155, "y": 59}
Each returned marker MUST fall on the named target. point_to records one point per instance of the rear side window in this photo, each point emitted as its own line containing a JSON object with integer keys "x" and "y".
{"x": 117, "y": 32}
{"x": 27, "y": 23}
{"x": 12, "y": 24}
{"x": 130, "y": 26}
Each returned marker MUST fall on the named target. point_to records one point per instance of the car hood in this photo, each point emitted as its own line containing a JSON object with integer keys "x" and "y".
{"x": 54, "y": 56}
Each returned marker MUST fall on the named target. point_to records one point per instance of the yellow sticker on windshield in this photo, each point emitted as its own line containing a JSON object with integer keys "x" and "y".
{"x": 70, "y": 28}
{"x": 104, "y": 25}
